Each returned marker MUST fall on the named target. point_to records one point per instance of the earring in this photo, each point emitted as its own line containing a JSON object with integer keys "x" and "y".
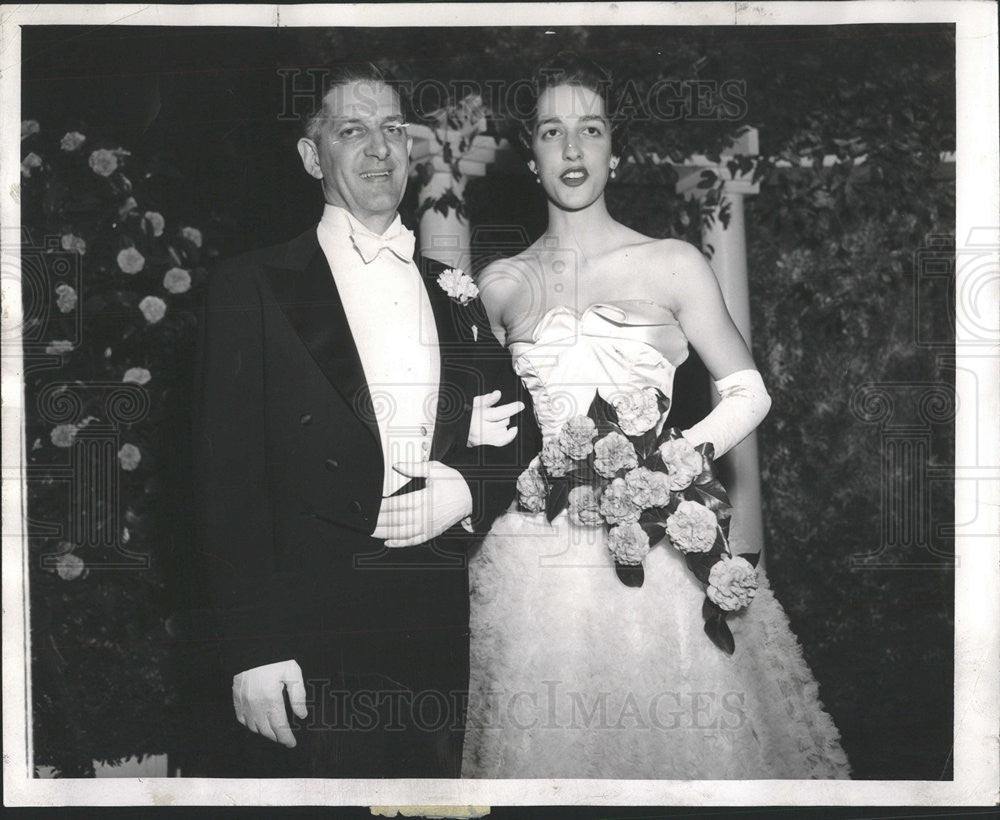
{"x": 537, "y": 179}
{"x": 612, "y": 173}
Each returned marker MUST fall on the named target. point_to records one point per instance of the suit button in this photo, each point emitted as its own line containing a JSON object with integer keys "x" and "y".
{"x": 332, "y": 464}
{"x": 306, "y": 419}
{"x": 355, "y": 506}
{"x": 423, "y": 430}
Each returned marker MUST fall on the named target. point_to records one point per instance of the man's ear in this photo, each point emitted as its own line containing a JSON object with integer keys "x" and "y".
{"x": 310, "y": 157}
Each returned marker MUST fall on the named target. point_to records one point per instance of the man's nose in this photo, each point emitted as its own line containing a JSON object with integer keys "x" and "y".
{"x": 377, "y": 145}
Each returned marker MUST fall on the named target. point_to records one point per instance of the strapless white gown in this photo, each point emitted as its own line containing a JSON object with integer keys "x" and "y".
{"x": 574, "y": 674}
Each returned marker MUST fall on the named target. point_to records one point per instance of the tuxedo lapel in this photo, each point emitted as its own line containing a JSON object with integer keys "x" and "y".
{"x": 307, "y": 294}
{"x": 457, "y": 368}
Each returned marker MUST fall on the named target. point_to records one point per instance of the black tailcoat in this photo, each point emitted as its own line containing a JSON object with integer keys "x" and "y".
{"x": 289, "y": 475}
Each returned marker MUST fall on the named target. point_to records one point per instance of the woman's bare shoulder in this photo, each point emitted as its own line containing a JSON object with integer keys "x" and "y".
{"x": 503, "y": 279}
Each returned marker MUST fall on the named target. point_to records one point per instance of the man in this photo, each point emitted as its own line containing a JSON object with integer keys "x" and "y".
{"x": 344, "y": 396}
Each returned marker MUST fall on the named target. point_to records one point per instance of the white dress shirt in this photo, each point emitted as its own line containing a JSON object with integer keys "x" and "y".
{"x": 393, "y": 327}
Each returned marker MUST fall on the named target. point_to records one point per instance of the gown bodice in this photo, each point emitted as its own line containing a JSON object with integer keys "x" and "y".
{"x": 607, "y": 347}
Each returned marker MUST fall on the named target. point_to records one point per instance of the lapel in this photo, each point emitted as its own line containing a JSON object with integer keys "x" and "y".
{"x": 458, "y": 374}
{"x": 304, "y": 287}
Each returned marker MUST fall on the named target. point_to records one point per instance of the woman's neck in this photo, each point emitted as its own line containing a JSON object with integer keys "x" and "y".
{"x": 586, "y": 230}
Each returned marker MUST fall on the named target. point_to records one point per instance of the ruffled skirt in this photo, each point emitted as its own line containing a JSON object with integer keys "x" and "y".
{"x": 575, "y": 675}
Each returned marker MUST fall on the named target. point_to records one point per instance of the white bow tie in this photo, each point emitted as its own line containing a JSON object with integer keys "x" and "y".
{"x": 369, "y": 245}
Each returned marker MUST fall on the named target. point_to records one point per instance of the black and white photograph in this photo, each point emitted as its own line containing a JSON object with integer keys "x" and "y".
{"x": 493, "y": 405}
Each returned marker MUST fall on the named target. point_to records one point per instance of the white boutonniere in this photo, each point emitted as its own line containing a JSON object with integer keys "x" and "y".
{"x": 458, "y": 285}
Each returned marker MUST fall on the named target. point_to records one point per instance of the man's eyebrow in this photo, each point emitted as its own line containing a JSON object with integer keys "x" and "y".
{"x": 392, "y": 118}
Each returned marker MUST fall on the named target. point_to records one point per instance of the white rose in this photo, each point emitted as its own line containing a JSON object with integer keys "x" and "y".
{"x": 59, "y": 346}
{"x": 29, "y": 127}
{"x": 69, "y": 567}
{"x": 64, "y": 435}
{"x": 129, "y": 456}
{"x": 29, "y": 162}
{"x": 137, "y": 375}
{"x": 130, "y": 260}
{"x": 193, "y": 235}
{"x": 156, "y": 222}
{"x": 103, "y": 162}
{"x": 732, "y": 583}
{"x": 692, "y": 527}
{"x": 584, "y": 508}
{"x": 153, "y": 309}
{"x": 682, "y": 461}
{"x": 65, "y": 298}
{"x": 177, "y": 280}
{"x": 637, "y": 412}
{"x": 72, "y": 140}
{"x": 71, "y": 242}
{"x": 628, "y": 543}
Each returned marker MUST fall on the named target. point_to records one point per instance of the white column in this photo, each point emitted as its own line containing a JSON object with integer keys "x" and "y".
{"x": 729, "y": 261}
{"x": 446, "y": 237}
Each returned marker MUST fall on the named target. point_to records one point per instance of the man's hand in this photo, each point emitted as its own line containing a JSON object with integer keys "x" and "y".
{"x": 489, "y": 423}
{"x": 414, "y": 518}
{"x": 259, "y": 704}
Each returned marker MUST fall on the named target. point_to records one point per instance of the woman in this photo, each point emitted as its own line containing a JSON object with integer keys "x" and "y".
{"x": 574, "y": 673}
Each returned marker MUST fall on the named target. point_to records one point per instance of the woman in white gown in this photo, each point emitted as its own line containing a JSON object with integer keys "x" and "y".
{"x": 573, "y": 673}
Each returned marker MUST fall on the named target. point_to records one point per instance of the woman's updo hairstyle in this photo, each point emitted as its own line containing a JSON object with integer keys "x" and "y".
{"x": 569, "y": 68}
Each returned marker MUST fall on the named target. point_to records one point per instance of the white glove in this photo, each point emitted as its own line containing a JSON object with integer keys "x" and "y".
{"x": 744, "y": 404}
{"x": 259, "y": 704}
{"x": 415, "y": 518}
{"x": 489, "y": 423}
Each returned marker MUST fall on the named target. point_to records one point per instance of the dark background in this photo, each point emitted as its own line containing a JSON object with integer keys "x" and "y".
{"x": 842, "y": 297}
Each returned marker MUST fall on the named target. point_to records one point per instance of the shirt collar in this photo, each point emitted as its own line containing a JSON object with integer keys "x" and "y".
{"x": 342, "y": 224}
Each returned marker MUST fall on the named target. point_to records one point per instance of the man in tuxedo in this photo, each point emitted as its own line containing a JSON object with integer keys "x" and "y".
{"x": 352, "y": 445}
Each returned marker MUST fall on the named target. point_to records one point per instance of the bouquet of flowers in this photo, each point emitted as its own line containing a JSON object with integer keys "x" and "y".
{"x": 612, "y": 468}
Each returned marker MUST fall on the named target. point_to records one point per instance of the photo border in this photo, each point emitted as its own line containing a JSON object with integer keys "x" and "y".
{"x": 977, "y": 572}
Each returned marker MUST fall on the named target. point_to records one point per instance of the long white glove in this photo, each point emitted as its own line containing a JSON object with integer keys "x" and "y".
{"x": 258, "y": 701}
{"x": 744, "y": 404}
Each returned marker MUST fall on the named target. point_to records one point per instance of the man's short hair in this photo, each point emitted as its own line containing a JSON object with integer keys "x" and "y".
{"x": 344, "y": 74}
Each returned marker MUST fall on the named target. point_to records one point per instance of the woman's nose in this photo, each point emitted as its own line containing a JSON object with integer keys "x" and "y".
{"x": 570, "y": 151}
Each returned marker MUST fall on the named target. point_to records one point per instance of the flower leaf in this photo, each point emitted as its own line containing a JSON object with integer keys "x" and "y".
{"x": 655, "y": 530}
{"x": 663, "y": 401}
{"x": 645, "y": 445}
{"x": 713, "y": 495}
{"x": 583, "y": 472}
{"x": 632, "y": 575}
{"x": 716, "y": 627}
{"x": 700, "y": 563}
{"x": 603, "y": 415}
{"x": 558, "y": 498}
